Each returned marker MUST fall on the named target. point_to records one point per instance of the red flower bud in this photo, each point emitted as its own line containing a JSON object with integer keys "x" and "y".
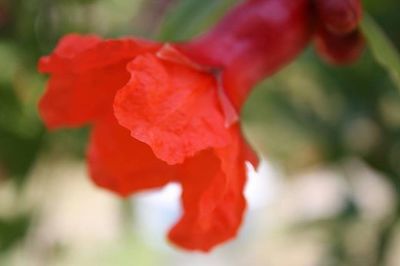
{"x": 339, "y": 16}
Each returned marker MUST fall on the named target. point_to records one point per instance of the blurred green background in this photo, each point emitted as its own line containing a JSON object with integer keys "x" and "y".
{"x": 320, "y": 128}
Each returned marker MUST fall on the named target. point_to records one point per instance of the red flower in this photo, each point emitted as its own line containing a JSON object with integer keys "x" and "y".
{"x": 168, "y": 113}
{"x": 177, "y": 128}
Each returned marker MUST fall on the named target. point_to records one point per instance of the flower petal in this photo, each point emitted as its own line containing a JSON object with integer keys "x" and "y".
{"x": 212, "y": 198}
{"x": 171, "y": 107}
{"x": 84, "y": 79}
{"x": 121, "y": 163}
{"x": 249, "y": 154}
{"x": 111, "y": 52}
{"x": 72, "y": 100}
{"x": 68, "y": 47}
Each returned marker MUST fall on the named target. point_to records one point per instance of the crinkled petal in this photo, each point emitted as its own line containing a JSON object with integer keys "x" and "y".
{"x": 121, "y": 163}
{"x": 212, "y": 197}
{"x": 170, "y": 53}
{"x": 85, "y": 75}
{"x": 171, "y": 107}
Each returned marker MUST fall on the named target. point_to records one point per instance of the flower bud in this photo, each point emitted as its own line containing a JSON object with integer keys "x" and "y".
{"x": 339, "y": 16}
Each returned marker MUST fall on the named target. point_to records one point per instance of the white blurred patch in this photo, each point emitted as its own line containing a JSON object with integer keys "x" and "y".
{"x": 73, "y": 211}
{"x": 155, "y": 213}
{"x": 70, "y": 213}
{"x": 262, "y": 186}
{"x": 319, "y": 193}
{"x": 372, "y": 192}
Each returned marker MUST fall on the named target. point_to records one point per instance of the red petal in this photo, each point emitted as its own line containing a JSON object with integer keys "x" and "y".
{"x": 172, "y": 54}
{"x": 122, "y": 164}
{"x": 169, "y": 53}
{"x": 171, "y": 107}
{"x": 112, "y": 52}
{"x": 75, "y": 99}
{"x": 68, "y": 47}
{"x": 249, "y": 154}
{"x": 83, "y": 81}
{"x": 213, "y": 201}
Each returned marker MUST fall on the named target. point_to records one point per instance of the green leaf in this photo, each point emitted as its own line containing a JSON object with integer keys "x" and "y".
{"x": 20, "y": 136}
{"x": 12, "y": 231}
{"x": 191, "y": 17}
{"x": 18, "y": 153}
{"x": 384, "y": 51}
